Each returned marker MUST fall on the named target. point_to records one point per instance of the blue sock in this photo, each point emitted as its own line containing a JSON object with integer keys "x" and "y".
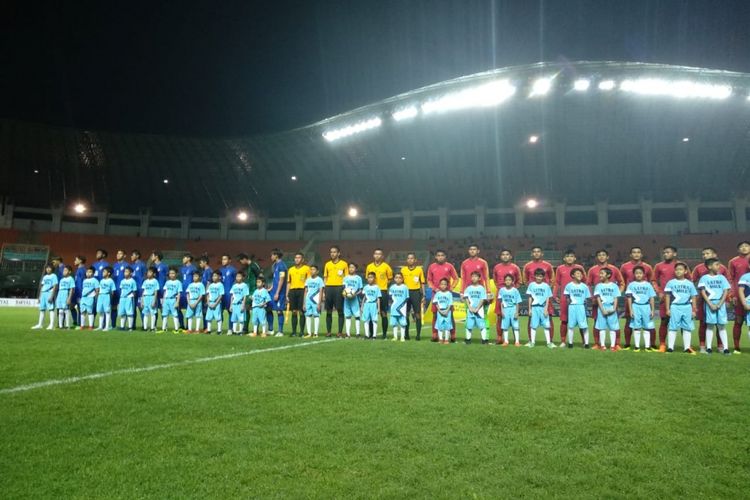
{"x": 281, "y": 321}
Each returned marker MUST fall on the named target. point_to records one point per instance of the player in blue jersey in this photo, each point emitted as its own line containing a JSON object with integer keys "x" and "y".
{"x": 126, "y": 305}
{"x": 47, "y": 290}
{"x": 352, "y": 289}
{"x": 278, "y": 291}
{"x": 443, "y": 300}
{"x": 606, "y": 296}
{"x": 80, "y": 274}
{"x": 150, "y": 299}
{"x": 100, "y": 263}
{"x": 371, "y": 306}
{"x": 313, "y": 300}
{"x": 640, "y": 296}
{"x": 87, "y": 304}
{"x": 714, "y": 288}
{"x": 118, "y": 274}
{"x": 58, "y": 266}
{"x": 172, "y": 291}
{"x": 195, "y": 294}
{"x": 399, "y": 295}
{"x": 539, "y": 293}
{"x": 139, "y": 274}
{"x": 66, "y": 288}
{"x": 162, "y": 272}
{"x": 510, "y": 300}
{"x": 104, "y": 300}
{"x": 475, "y": 296}
{"x": 186, "y": 277}
{"x": 238, "y": 304}
{"x": 228, "y": 277}
{"x": 680, "y": 296}
{"x": 214, "y": 296}
{"x": 576, "y": 293}
{"x": 206, "y": 271}
{"x": 260, "y": 297}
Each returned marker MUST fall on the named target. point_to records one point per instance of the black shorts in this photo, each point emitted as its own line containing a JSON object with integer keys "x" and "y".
{"x": 296, "y": 296}
{"x": 383, "y": 302}
{"x": 415, "y": 301}
{"x": 335, "y": 298}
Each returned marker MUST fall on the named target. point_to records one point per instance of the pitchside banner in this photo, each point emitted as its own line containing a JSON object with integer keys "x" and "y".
{"x": 19, "y": 303}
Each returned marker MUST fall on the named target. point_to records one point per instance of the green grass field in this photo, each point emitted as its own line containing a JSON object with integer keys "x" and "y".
{"x": 349, "y": 418}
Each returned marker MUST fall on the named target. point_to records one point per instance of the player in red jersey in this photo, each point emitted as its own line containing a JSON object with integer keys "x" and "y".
{"x": 663, "y": 272}
{"x": 700, "y": 315}
{"x": 562, "y": 278}
{"x": 738, "y": 266}
{"x": 628, "y": 275}
{"x": 602, "y": 259}
{"x": 505, "y": 267}
{"x": 439, "y": 270}
{"x": 474, "y": 264}
{"x": 538, "y": 262}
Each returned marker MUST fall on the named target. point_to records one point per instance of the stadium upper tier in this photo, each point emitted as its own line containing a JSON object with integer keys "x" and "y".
{"x": 579, "y": 132}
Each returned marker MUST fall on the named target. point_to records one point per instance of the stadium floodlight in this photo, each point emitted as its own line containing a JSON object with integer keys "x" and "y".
{"x": 166, "y": 181}
{"x": 242, "y": 216}
{"x": 294, "y": 177}
{"x": 405, "y": 113}
{"x": 403, "y": 158}
{"x": 680, "y": 89}
{"x": 686, "y": 139}
{"x": 582, "y": 84}
{"x": 533, "y": 139}
{"x": 36, "y": 171}
{"x": 606, "y": 85}
{"x": 355, "y": 128}
{"x": 80, "y": 208}
{"x": 480, "y": 96}
{"x": 353, "y": 212}
{"x": 541, "y": 87}
{"x": 532, "y": 203}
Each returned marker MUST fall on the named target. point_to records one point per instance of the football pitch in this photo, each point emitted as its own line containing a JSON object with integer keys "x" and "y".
{"x": 186, "y": 416}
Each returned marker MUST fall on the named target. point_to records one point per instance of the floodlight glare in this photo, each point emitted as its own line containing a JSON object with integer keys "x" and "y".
{"x": 680, "y": 89}
{"x": 484, "y": 95}
{"x": 353, "y": 212}
{"x": 581, "y": 85}
{"x": 686, "y": 139}
{"x": 242, "y": 216}
{"x": 79, "y": 208}
{"x": 606, "y": 85}
{"x": 356, "y": 128}
{"x": 166, "y": 181}
{"x": 541, "y": 87}
{"x": 405, "y": 113}
{"x": 532, "y": 203}
{"x": 294, "y": 177}
{"x": 533, "y": 139}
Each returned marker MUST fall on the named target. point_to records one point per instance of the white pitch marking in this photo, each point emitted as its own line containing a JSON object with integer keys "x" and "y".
{"x": 163, "y": 366}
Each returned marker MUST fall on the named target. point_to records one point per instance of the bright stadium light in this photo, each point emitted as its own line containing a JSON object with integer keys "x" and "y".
{"x": 532, "y": 203}
{"x": 403, "y": 158}
{"x": 405, "y": 113}
{"x": 36, "y": 171}
{"x": 533, "y": 139}
{"x": 541, "y": 87}
{"x": 606, "y": 85}
{"x": 680, "y": 89}
{"x": 355, "y": 128}
{"x": 582, "y": 84}
{"x": 294, "y": 177}
{"x": 79, "y": 208}
{"x": 686, "y": 139}
{"x": 352, "y": 212}
{"x": 166, "y": 181}
{"x": 242, "y": 216}
{"x": 480, "y": 96}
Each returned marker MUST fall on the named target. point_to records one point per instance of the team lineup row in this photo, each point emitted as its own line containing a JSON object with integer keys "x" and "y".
{"x": 298, "y": 290}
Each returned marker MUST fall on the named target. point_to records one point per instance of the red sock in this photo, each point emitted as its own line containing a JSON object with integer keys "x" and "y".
{"x": 596, "y": 337}
{"x": 663, "y": 331}
{"x": 702, "y": 334}
{"x": 551, "y": 330}
{"x": 617, "y": 337}
{"x": 563, "y": 331}
{"x": 736, "y": 333}
{"x": 653, "y": 337}
{"x": 453, "y": 334}
{"x": 628, "y": 334}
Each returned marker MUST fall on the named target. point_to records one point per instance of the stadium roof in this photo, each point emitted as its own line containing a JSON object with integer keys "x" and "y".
{"x": 581, "y": 132}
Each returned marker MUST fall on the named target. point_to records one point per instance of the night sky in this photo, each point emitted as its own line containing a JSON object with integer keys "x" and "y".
{"x": 232, "y": 68}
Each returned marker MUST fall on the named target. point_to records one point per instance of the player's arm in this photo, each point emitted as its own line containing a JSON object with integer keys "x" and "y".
{"x": 422, "y": 288}
{"x": 282, "y": 278}
{"x": 743, "y": 298}
{"x": 655, "y": 284}
{"x": 620, "y": 281}
{"x": 694, "y": 304}
{"x": 321, "y": 298}
{"x": 723, "y": 299}
{"x": 652, "y": 305}
{"x": 704, "y": 296}
{"x": 614, "y": 305}
{"x": 667, "y": 301}
{"x": 545, "y": 309}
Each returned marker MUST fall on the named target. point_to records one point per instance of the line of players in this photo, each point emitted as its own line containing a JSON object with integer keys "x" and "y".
{"x": 341, "y": 290}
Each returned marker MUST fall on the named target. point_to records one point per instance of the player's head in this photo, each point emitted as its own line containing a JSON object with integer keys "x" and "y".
{"x": 79, "y": 260}
{"x": 539, "y": 275}
{"x": 157, "y": 256}
{"x": 196, "y": 277}
{"x": 743, "y": 247}
{"x": 90, "y": 272}
{"x": 187, "y": 258}
{"x": 669, "y": 253}
{"x": 299, "y": 258}
{"x": 708, "y": 253}
{"x": 120, "y": 255}
{"x": 216, "y": 276}
{"x": 172, "y": 273}
{"x": 508, "y": 280}
{"x": 128, "y": 271}
{"x": 203, "y": 261}
{"x": 260, "y": 282}
{"x": 505, "y": 255}
{"x": 536, "y": 252}
{"x": 370, "y": 278}
{"x": 636, "y": 254}
{"x": 377, "y": 255}
{"x": 151, "y": 272}
{"x": 602, "y": 256}
{"x": 239, "y": 277}
{"x": 569, "y": 257}
{"x": 353, "y": 268}
{"x": 577, "y": 275}
{"x": 56, "y": 260}
{"x": 443, "y": 284}
{"x": 225, "y": 259}
{"x": 314, "y": 270}
{"x": 335, "y": 252}
{"x": 67, "y": 270}
{"x": 276, "y": 255}
{"x": 398, "y": 278}
{"x": 107, "y": 272}
{"x": 713, "y": 265}
{"x": 135, "y": 255}
{"x": 439, "y": 255}
{"x": 475, "y": 277}
{"x": 411, "y": 259}
{"x": 101, "y": 254}
{"x": 680, "y": 270}
{"x": 243, "y": 259}
{"x": 49, "y": 269}
{"x": 605, "y": 274}
{"x": 639, "y": 272}
{"x": 473, "y": 250}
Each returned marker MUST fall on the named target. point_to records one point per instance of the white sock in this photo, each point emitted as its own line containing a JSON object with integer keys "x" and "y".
{"x": 603, "y": 338}
{"x": 686, "y": 337}
{"x": 671, "y": 337}
{"x": 517, "y": 335}
{"x": 60, "y": 318}
{"x": 255, "y": 329}
{"x": 570, "y": 336}
{"x": 218, "y": 325}
{"x": 68, "y": 318}
{"x": 198, "y": 323}
{"x": 646, "y": 339}
{"x": 532, "y": 336}
{"x": 176, "y": 322}
{"x": 316, "y": 324}
{"x": 468, "y": 334}
{"x": 374, "y": 328}
{"x": 585, "y": 336}
{"x": 146, "y": 319}
{"x": 101, "y": 321}
{"x": 107, "y": 321}
{"x": 637, "y": 335}
{"x": 190, "y": 323}
{"x": 709, "y": 337}
{"x": 265, "y": 327}
{"x": 367, "y": 329}
{"x": 723, "y": 337}
{"x": 356, "y": 326}
{"x": 308, "y": 325}
{"x": 91, "y": 320}
{"x": 41, "y": 318}
{"x": 164, "y": 323}
{"x": 483, "y": 333}
{"x": 348, "y": 326}
{"x": 612, "y": 338}
{"x": 546, "y": 336}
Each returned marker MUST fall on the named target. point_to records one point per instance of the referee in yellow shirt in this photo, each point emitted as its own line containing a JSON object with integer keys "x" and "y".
{"x": 383, "y": 276}
{"x": 295, "y": 292}
{"x": 333, "y": 277}
{"x": 414, "y": 281}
